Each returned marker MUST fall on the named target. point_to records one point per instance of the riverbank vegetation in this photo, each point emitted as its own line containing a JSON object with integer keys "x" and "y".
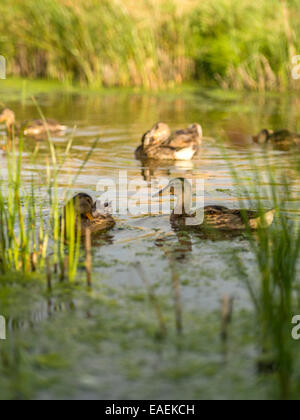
{"x": 32, "y": 233}
{"x": 152, "y": 44}
{"x": 276, "y": 252}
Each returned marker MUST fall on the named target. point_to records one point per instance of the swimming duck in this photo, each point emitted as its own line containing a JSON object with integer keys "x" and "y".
{"x": 215, "y": 217}
{"x": 86, "y": 213}
{"x": 161, "y": 144}
{"x": 281, "y": 137}
{"x": 35, "y": 128}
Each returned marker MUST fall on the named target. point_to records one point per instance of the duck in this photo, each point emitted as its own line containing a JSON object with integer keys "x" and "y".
{"x": 35, "y": 128}
{"x": 160, "y": 143}
{"x": 281, "y": 137}
{"x": 87, "y": 215}
{"x": 215, "y": 217}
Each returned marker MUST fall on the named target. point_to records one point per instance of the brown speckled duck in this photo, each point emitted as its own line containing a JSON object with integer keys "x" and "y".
{"x": 35, "y": 128}
{"x": 87, "y": 215}
{"x": 280, "y": 138}
{"x": 215, "y": 217}
{"x": 160, "y": 143}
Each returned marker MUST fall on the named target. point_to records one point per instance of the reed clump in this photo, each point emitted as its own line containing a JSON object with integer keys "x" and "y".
{"x": 95, "y": 43}
{"x": 152, "y": 43}
{"x": 33, "y": 237}
{"x": 276, "y": 252}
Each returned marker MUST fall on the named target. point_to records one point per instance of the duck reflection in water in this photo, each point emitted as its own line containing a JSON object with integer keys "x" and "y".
{"x": 154, "y": 169}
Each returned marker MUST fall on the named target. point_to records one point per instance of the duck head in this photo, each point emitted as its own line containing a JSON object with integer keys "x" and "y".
{"x": 83, "y": 206}
{"x": 262, "y": 137}
{"x": 176, "y": 186}
{"x": 7, "y": 116}
{"x": 158, "y": 134}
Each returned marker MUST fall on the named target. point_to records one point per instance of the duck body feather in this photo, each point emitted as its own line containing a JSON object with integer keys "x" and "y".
{"x": 41, "y": 127}
{"x": 285, "y": 137}
{"x": 225, "y": 219}
{"x": 100, "y": 223}
{"x": 214, "y": 217}
{"x": 279, "y": 138}
{"x": 37, "y": 128}
{"x": 160, "y": 144}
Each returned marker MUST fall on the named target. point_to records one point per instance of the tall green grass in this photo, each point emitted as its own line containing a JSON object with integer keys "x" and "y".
{"x": 153, "y": 43}
{"x": 34, "y": 237}
{"x": 276, "y": 252}
{"x": 96, "y": 43}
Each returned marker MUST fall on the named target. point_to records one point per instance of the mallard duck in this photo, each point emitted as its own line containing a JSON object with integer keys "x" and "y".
{"x": 35, "y": 128}
{"x": 215, "y": 217}
{"x": 161, "y": 144}
{"x": 85, "y": 210}
{"x": 281, "y": 137}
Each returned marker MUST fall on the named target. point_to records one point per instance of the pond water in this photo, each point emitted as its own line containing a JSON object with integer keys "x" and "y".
{"x": 104, "y": 343}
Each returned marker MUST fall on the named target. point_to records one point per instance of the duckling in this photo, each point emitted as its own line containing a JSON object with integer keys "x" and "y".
{"x": 35, "y": 128}
{"x": 161, "y": 144}
{"x": 87, "y": 215}
{"x": 281, "y": 137}
{"x": 215, "y": 217}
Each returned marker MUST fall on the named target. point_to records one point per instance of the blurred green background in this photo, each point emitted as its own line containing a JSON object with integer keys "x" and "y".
{"x": 237, "y": 44}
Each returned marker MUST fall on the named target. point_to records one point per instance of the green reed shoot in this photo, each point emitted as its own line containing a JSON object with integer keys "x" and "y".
{"x": 277, "y": 254}
{"x": 32, "y": 229}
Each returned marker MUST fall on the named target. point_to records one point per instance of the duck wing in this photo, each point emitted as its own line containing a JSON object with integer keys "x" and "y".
{"x": 232, "y": 219}
{"x": 99, "y": 224}
{"x": 285, "y": 136}
{"x": 184, "y": 138}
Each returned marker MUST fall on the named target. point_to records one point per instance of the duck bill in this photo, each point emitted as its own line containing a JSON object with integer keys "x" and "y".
{"x": 89, "y": 216}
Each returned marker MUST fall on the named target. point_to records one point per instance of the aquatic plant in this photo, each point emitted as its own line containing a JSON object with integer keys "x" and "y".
{"x": 32, "y": 233}
{"x": 276, "y": 252}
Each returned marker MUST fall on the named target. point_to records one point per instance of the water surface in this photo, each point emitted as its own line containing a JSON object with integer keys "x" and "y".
{"x": 104, "y": 344}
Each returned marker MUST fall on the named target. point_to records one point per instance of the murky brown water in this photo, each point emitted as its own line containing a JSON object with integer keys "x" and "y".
{"x": 204, "y": 267}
